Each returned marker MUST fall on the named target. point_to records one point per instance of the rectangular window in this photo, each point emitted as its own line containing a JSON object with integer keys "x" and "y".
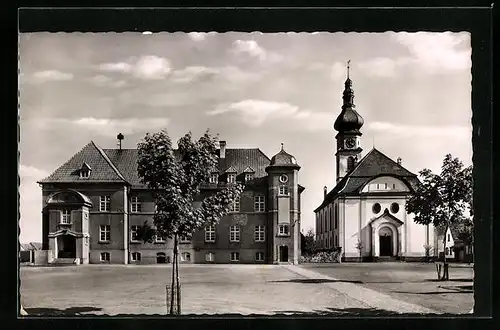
{"x": 393, "y": 186}
{"x": 135, "y": 205}
{"x": 235, "y": 256}
{"x": 66, "y": 217}
{"x": 185, "y": 239}
{"x": 104, "y": 203}
{"x": 386, "y": 186}
{"x": 449, "y": 238}
{"x": 104, "y": 233}
{"x": 260, "y": 233}
{"x": 248, "y": 177}
{"x": 234, "y": 233}
{"x": 159, "y": 238}
{"x": 259, "y": 204}
{"x": 235, "y": 207}
{"x": 231, "y": 178}
{"x": 185, "y": 256}
{"x": 104, "y": 256}
{"x": 136, "y": 256}
{"x": 284, "y": 230}
{"x": 283, "y": 190}
{"x": 84, "y": 174}
{"x": 134, "y": 231}
{"x": 259, "y": 256}
{"x": 210, "y": 234}
{"x": 214, "y": 178}
{"x": 209, "y": 257}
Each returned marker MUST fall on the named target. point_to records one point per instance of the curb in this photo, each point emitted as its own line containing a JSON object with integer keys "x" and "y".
{"x": 367, "y": 296}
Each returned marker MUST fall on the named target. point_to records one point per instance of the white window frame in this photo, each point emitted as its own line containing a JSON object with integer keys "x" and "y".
{"x": 184, "y": 239}
{"x": 135, "y": 256}
{"x": 260, "y": 233}
{"x": 104, "y": 256}
{"x": 104, "y": 203}
{"x": 283, "y": 190}
{"x": 65, "y": 217}
{"x": 135, "y": 205}
{"x": 210, "y": 257}
{"x": 259, "y": 203}
{"x": 248, "y": 176}
{"x": 231, "y": 178}
{"x": 235, "y": 206}
{"x": 106, "y": 230}
{"x": 133, "y": 230}
{"x": 282, "y": 232}
{"x": 84, "y": 173}
{"x": 183, "y": 256}
{"x": 234, "y": 233}
{"x": 259, "y": 254}
{"x": 234, "y": 256}
{"x": 159, "y": 239}
{"x": 214, "y": 178}
{"x": 210, "y": 234}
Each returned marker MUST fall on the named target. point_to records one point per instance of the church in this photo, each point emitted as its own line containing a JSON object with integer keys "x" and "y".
{"x": 364, "y": 214}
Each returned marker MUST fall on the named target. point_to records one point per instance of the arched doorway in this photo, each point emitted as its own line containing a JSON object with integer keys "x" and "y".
{"x": 66, "y": 246}
{"x": 161, "y": 258}
{"x": 283, "y": 253}
{"x": 385, "y": 242}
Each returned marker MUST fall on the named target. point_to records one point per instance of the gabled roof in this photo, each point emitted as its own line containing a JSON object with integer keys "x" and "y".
{"x": 103, "y": 169}
{"x": 373, "y": 164}
{"x": 231, "y": 169}
{"x": 249, "y": 169}
{"x": 86, "y": 166}
{"x": 115, "y": 165}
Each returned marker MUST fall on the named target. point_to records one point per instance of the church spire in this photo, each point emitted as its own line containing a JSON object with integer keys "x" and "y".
{"x": 348, "y": 91}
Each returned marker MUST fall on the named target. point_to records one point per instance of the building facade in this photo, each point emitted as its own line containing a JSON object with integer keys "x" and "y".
{"x": 364, "y": 213}
{"x": 94, "y": 204}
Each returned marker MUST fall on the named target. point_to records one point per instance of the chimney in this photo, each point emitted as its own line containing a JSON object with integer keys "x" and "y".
{"x": 399, "y": 160}
{"x": 120, "y": 137}
{"x": 324, "y": 191}
{"x": 222, "y": 145}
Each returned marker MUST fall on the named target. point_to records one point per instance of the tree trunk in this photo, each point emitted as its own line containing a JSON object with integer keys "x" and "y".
{"x": 445, "y": 276}
{"x": 172, "y": 283}
{"x": 176, "y": 242}
{"x": 175, "y": 298}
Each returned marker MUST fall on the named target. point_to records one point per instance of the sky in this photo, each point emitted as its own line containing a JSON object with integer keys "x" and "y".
{"x": 255, "y": 90}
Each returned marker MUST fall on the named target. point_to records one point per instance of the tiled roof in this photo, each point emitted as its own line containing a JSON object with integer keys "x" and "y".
{"x": 115, "y": 165}
{"x": 103, "y": 170}
{"x": 374, "y": 164}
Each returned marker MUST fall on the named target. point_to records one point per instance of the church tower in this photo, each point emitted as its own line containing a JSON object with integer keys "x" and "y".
{"x": 348, "y": 124}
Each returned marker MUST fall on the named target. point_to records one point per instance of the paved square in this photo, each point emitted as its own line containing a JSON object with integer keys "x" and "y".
{"x": 241, "y": 289}
{"x": 410, "y": 282}
{"x": 210, "y": 289}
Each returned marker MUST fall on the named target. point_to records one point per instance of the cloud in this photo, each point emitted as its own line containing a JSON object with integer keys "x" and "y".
{"x": 438, "y": 52}
{"x": 108, "y": 126}
{"x": 338, "y": 70}
{"x": 382, "y": 66}
{"x": 199, "y": 36}
{"x": 32, "y": 173}
{"x": 255, "y": 112}
{"x": 49, "y": 75}
{"x": 195, "y": 73}
{"x": 252, "y": 48}
{"x": 148, "y": 67}
{"x": 389, "y": 129}
{"x": 105, "y": 81}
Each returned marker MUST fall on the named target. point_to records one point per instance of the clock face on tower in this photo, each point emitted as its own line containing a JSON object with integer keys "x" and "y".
{"x": 350, "y": 143}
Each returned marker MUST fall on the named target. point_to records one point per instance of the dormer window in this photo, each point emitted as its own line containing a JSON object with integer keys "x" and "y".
{"x": 249, "y": 173}
{"x": 231, "y": 178}
{"x": 214, "y": 178}
{"x": 85, "y": 171}
{"x": 248, "y": 177}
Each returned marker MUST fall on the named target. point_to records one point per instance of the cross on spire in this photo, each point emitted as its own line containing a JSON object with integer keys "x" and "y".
{"x": 348, "y": 67}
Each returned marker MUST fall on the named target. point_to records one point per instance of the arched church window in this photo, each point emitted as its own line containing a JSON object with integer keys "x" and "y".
{"x": 350, "y": 163}
{"x": 376, "y": 208}
{"x": 394, "y": 207}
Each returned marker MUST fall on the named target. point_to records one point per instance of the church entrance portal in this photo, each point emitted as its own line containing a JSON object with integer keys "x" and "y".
{"x": 385, "y": 241}
{"x": 67, "y": 246}
{"x": 283, "y": 251}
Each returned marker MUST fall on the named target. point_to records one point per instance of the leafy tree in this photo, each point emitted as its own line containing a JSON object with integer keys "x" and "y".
{"x": 442, "y": 200}
{"x": 174, "y": 177}
{"x": 309, "y": 244}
